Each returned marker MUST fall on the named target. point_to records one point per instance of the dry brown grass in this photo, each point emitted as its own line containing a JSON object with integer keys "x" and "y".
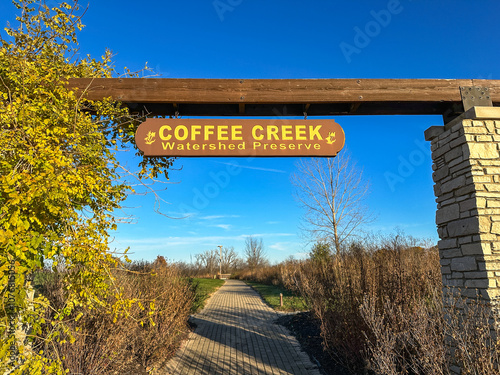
{"x": 132, "y": 344}
{"x": 270, "y": 275}
{"x": 382, "y": 310}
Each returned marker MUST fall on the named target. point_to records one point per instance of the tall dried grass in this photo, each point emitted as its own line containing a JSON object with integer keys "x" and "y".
{"x": 270, "y": 275}
{"x": 381, "y": 309}
{"x": 145, "y": 339}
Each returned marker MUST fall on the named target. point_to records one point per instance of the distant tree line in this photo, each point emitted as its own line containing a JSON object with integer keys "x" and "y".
{"x": 209, "y": 262}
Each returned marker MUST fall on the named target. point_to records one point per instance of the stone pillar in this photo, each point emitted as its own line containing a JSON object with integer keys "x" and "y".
{"x": 466, "y": 164}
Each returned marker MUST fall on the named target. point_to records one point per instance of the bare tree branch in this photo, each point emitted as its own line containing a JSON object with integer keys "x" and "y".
{"x": 254, "y": 253}
{"x": 332, "y": 191}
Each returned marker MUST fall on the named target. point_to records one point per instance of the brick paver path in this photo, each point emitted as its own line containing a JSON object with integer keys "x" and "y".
{"x": 236, "y": 335}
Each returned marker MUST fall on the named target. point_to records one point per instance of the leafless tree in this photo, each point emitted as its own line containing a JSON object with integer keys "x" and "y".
{"x": 254, "y": 253}
{"x": 208, "y": 261}
{"x": 230, "y": 260}
{"x": 332, "y": 192}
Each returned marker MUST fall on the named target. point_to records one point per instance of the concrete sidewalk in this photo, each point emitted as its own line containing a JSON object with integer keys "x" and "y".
{"x": 236, "y": 334}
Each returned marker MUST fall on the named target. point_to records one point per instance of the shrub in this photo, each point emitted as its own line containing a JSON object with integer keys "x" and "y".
{"x": 336, "y": 288}
{"x": 147, "y": 337}
{"x": 381, "y": 309}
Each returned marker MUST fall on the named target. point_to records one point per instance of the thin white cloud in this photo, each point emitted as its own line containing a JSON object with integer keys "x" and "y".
{"x": 284, "y": 246}
{"x": 278, "y": 246}
{"x": 272, "y": 222}
{"x": 254, "y": 168}
{"x": 177, "y": 241}
{"x": 223, "y": 226}
{"x": 214, "y": 217}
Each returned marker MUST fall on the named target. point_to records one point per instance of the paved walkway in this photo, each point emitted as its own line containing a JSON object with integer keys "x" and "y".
{"x": 235, "y": 335}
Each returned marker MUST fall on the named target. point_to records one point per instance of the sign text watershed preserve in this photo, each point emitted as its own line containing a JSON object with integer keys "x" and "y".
{"x": 233, "y": 137}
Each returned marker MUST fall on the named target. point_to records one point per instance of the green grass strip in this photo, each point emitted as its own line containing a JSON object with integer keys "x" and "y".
{"x": 271, "y": 294}
{"x": 204, "y": 288}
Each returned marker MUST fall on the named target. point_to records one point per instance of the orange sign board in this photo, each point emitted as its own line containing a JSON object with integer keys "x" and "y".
{"x": 234, "y": 137}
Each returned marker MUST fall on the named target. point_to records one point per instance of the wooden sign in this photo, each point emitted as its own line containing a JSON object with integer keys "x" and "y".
{"x": 234, "y": 137}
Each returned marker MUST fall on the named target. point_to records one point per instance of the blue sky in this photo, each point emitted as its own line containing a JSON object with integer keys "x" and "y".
{"x": 289, "y": 39}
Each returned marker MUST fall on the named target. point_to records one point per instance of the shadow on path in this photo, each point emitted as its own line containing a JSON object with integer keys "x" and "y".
{"x": 236, "y": 334}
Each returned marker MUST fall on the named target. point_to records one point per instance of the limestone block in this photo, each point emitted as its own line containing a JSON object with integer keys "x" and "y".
{"x": 470, "y": 137}
{"x": 445, "y": 270}
{"x": 488, "y": 237}
{"x": 492, "y": 187}
{"x": 493, "y": 293}
{"x": 447, "y": 213}
{"x": 440, "y": 151}
{"x": 466, "y": 239}
{"x": 484, "y": 224}
{"x": 466, "y": 263}
{"x": 443, "y": 197}
{"x": 492, "y": 163}
{"x": 455, "y": 161}
{"x": 480, "y": 202}
{"x": 477, "y": 171}
{"x": 490, "y": 126}
{"x": 448, "y": 202}
{"x": 454, "y": 282}
{"x": 476, "y": 275}
{"x": 488, "y": 194}
{"x": 477, "y": 123}
{"x": 477, "y": 283}
{"x": 495, "y": 227}
{"x": 463, "y": 227}
{"x": 492, "y": 203}
{"x": 468, "y": 204}
{"x": 488, "y": 211}
{"x": 433, "y": 132}
{"x": 483, "y": 179}
{"x": 482, "y": 150}
{"x": 453, "y": 184}
{"x": 454, "y": 153}
{"x": 447, "y": 244}
{"x": 478, "y": 248}
{"x": 441, "y": 173}
{"x": 487, "y": 266}
{"x": 442, "y": 232}
{"x": 445, "y": 262}
{"x": 466, "y": 122}
{"x": 484, "y": 138}
{"x": 457, "y": 142}
{"x": 473, "y": 293}
{"x": 450, "y": 253}
{"x": 437, "y": 190}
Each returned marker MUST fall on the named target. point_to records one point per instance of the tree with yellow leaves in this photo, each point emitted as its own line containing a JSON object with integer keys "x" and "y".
{"x": 59, "y": 182}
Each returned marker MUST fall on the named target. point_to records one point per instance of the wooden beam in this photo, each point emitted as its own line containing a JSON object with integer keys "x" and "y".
{"x": 198, "y": 96}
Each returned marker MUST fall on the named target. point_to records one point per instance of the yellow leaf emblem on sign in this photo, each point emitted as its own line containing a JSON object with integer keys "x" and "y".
{"x": 150, "y": 138}
{"x": 331, "y": 138}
